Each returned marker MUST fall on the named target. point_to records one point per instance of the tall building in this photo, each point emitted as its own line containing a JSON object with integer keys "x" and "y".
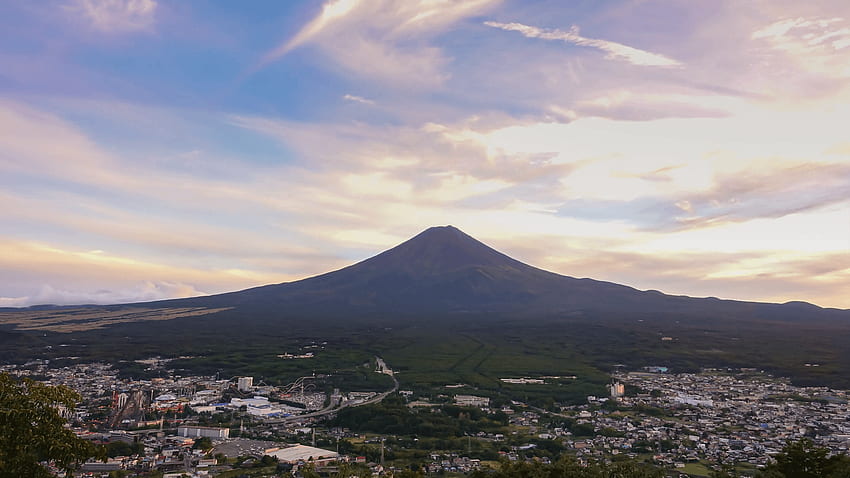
{"x": 617, "y": 390}
{"x": 245, "y": 384}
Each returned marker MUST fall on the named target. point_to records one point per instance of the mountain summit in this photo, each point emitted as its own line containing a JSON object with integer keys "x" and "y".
{"x": 441, "y": 250}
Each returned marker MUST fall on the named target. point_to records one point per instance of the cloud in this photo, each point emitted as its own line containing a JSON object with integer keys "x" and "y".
{"x": 115, "y": 16}
{"x": 34, "y": 272}
{"x": 615, "y": 51}
{"x": 749, "y": 193}
{"x": 332, "y": 11}
{"x": 382, "y": 39}
{"x": 767, "y": 194}
{"x": 358, "y": 188}
{"x": 358, "y": 99}
{"x": 435, "y": 164}
{"x": 809, "y": 34}
{"x": 143, "y": 292}
{"x": 811, "y": 54}
{"x": 634, "y": 105}
{"x": 759, "y": 274}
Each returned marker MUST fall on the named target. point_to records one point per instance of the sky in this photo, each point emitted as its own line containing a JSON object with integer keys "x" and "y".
{"x": 154, "y": 149}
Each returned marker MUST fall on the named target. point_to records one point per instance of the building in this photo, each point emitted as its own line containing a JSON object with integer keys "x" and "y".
{"x": 196, "y": 432}
{"x": 111, "y": 465}
{"x": 472, "y": 401}
{"x": 260, "y": 406}
{"x": 245, "y": 384}
{"x": 296, "y": 453}
{"x": 617, "y": 390}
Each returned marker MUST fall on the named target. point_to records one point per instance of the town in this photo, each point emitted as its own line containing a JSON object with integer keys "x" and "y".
{"x": 204, "y": 426}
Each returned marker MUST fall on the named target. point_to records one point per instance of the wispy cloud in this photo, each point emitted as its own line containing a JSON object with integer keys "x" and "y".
{"x": 816, "y": 45}
{"x": 115, "y": 16}
{"x": 614, "y": 50}
{"x": 735, "y": 197}
{"x": 382, "y": 39}
{"x": 812, "y": 32}
{"x": 331, "y": 12}
{"x": 358, "y": 99}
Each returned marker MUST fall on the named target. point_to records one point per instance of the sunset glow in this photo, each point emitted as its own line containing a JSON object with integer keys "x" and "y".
{"x": 153, "y": 149}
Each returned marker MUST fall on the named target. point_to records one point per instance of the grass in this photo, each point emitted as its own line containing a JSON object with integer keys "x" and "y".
{"x": 695, "y": 469}
{"x": 263, "y": 471}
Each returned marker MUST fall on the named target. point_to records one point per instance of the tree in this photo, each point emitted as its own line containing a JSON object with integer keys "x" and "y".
{"x": 203, "y": 443}
{"x": 568, "y": 467}
{"x": 33, "y": 431}
{"x": 804, "y": 459}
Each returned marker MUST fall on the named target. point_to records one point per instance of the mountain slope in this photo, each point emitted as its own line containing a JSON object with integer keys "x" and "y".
{"x": 444, "y": 271}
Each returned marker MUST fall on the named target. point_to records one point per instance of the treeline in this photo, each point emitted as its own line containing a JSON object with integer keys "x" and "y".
{"x": 800, "y": 459}
{"x": 569, "y": 467}
{"x": 392, "y": 416}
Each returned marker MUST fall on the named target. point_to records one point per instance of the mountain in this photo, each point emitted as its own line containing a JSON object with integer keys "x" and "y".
{"x": 443, "y": 271}
{"x": 440, "y": 270}
{"x": 445, "y": 308}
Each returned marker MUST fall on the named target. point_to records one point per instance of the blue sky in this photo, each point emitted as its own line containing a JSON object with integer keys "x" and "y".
{"x": 153, "y": 149}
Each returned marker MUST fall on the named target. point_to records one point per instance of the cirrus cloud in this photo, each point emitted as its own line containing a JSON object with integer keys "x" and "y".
{"x": 614, "y": 50}
{"x": 115, "y": 16}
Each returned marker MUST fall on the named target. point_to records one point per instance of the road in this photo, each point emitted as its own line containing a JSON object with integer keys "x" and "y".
{"x": 336, "y": 404}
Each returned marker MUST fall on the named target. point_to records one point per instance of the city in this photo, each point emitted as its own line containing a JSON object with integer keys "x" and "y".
{"x": 204, "y": 426}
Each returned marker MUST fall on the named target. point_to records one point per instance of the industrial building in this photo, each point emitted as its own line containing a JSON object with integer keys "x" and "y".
{"x": 198, "y": 432}
{"x": 296, "y": 453}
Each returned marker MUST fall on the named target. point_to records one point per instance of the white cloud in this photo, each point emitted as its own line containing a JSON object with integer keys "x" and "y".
{"x": 358, "y": 99}
{"x": 143, "y": 292}
{"x": 816, "y": 45}
{"x": 383, "y": 39}
{"x": 331, "y": 12}
{"x": 116, "y": 16}
{"x": 615, "y": 51}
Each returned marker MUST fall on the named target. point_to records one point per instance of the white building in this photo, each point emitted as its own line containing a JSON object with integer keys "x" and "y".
{"x": 245, "y": 384}
{"x": 260, "y": 406}
{"x": 472, "y": 401}
{"x": 296, "y": 453}
{"x": 693, "y": 400}
{"x": 196, "y": 432}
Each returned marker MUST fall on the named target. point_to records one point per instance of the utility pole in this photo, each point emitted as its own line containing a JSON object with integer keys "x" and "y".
{"x": 382, "y": 451}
